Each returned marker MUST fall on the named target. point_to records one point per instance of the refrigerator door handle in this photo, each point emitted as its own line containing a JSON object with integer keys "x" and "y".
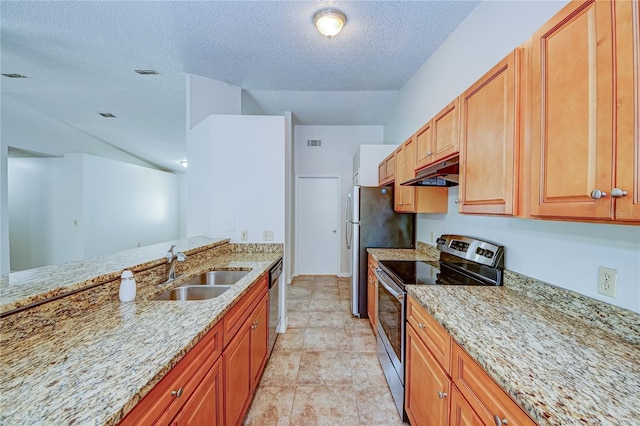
{"x": 347, "y": 219}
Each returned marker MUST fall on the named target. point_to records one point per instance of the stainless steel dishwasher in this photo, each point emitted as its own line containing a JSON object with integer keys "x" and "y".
{"x": 274, "y": 302}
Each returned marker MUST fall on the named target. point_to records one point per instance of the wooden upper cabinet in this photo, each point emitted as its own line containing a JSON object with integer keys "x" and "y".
{"x": 405, "y": 196}
{"x": 444, "y": 140}
{"x": 387, "y": 170}
{"x": 424, "y": 153}
{"x": 489, "y": 140}
{"x": 413, "y": 199}
{"x": 438, "y": 139}
{"x": 627, "y": 18}
{"x": 572, "y": 133}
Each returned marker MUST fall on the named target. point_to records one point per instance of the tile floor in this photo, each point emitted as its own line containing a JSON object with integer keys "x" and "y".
{"x": 324, "y": 369}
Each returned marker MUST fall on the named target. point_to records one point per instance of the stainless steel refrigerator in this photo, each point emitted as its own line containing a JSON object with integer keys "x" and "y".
{"x": 372, "y": 223}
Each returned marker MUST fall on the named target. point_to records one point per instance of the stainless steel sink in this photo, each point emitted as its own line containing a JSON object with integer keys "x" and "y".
{"x": 217, "y": 278}
{"x": 193, "y": 292}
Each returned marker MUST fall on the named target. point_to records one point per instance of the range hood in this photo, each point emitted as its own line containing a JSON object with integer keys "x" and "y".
{"x": 443, "y": 173}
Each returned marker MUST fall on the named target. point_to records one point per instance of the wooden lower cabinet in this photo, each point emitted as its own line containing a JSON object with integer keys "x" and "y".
{"x": 461, "y": 412}
{"x": 243, "y": 362}
{"x": 205, "y": 407}
{"x": 427, "y": 385}
{"x": 372, "y": 294}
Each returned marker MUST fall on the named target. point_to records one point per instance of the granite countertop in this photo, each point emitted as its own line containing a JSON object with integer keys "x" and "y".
{"x": 24, "y": 288}
{"x": 93, "y": 369}
{"x": 561, "y": 369}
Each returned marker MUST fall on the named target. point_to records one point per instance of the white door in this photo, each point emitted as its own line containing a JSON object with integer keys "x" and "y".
{"x": 317, "y": 230}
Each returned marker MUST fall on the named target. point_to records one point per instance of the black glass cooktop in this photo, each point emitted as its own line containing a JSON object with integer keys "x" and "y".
{"x": 437, "y": 273}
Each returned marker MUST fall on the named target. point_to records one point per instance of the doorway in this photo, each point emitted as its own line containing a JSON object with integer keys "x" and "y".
{"x": 317, "y": 227}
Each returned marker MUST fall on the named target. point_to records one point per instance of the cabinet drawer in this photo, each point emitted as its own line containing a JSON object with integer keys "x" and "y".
{"x": 434, "y": 336}
{"x": 234, "y": 319}
{"x": 184, "y": 378}
{"x": 484, "y": 395}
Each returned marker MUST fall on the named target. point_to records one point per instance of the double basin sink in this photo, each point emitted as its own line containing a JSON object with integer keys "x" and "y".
{"x": 204, "y": 286}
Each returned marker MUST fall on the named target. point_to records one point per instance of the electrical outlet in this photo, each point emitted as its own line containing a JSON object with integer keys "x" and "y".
{"x": 267, "y": 235}
{"x": 607, "y": 279}
{"x": 244, "y": 235}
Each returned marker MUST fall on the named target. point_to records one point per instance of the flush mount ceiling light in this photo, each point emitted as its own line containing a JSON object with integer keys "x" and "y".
{"x": 329, "y": 22}
{"x": 183, "y": 163}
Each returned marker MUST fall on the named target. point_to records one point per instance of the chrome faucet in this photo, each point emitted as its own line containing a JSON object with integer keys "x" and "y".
{"x": 171, "y": 260}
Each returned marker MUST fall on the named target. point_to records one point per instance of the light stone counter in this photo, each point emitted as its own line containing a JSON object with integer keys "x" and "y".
{"x": 25, "y": 288}
{"x": 91, "y": 370}
{"x": 565, "y": 358}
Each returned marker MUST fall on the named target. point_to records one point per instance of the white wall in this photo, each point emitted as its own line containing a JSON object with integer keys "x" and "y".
{"x": 236, "y": 178}
{"x": 4, "y": 212}
{"x": 206, "y": 96}
{"x": 335, "y": 157}
{"x": 142, "y": 204}
{"x": 70, "y": 208}
{"x": 561, "y": 253}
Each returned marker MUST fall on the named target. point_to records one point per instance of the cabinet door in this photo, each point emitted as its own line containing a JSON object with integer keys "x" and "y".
{"x": 424, "y": 154}
{"x": 205, "y": 405}
{"x": 461, "y": 412}
{"x": 444, "y": 141}
{"x": 405, "y": 168}
{"x": 628, "y": 110}
{"x": 487, "y": 398}
{"x": 237, "y": 375}
{"x": 427, "y": 386}
{"x": 572, "y": 113}
{"x": 259, "y": 340}
{"x": 489, "y": 141}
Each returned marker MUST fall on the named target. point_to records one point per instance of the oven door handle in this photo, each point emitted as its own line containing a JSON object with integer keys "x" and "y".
{"x": 381, "y": 275}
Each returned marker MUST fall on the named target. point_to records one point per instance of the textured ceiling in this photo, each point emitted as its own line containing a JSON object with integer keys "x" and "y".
{"x": 80, "y": 56}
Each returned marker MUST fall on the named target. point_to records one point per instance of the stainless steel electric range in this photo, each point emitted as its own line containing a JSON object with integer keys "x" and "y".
{"x": 463, "y": 261}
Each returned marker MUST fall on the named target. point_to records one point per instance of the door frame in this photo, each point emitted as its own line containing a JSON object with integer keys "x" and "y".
{"x": 296, "y": 220}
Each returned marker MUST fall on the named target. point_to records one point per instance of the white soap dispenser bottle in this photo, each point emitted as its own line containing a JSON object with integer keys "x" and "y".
{"x": 127, "y": 287}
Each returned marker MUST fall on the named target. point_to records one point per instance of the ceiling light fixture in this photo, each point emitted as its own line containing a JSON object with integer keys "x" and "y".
{"x": 329, "y": 22}
{"x": 183, "y": 163}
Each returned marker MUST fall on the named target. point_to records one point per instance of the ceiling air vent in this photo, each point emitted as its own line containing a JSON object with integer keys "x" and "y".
{"x": 107, "y": 115}
{"x": 315, "y": 143}
{"x": 147, "y": 72}
{"x": 10, "y": 75}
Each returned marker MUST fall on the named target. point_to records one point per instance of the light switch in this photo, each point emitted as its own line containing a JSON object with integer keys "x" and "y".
{"x": 267, "y": 235}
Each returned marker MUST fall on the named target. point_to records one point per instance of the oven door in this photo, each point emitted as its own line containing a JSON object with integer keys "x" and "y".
{"x": 391, "y": 328}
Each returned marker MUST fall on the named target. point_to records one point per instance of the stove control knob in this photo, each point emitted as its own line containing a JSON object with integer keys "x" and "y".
{"x": 488, "y": 254}
{"x": 480, "y": 251}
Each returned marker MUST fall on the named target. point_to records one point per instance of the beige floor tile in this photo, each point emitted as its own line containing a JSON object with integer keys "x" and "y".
{"x": 271, "y": 406}
{"x": 324, "y": 305}
{"x": 295, "y": 292}
{"x": 376, "y": 406}
{"x": 299, "y": 304}
{"x": 298, "y": 319}
{"x": 324, "y": 369}
{"x": 324, "y": 320}
{"x": 325, "y": 339}
{"x": 331, "y": 406}
{"x": 366, "y": 369}
{"x": 291, "y": 341}
{"x": 282, "y": 369}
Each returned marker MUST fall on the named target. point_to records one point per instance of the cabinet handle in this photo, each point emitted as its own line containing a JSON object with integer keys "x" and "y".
{"x": 254, "y": 325}
{"x": 597, "y": 194}
{"x": 177, "y": 393}
{"x": 421, "y": 325}
{"x": 618, "y": 193}
{"x": 458, "y": 201}
{"x": 429, "y": 154}
{"x": 499, "y": 421}
{"x": 442, "y": 395}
